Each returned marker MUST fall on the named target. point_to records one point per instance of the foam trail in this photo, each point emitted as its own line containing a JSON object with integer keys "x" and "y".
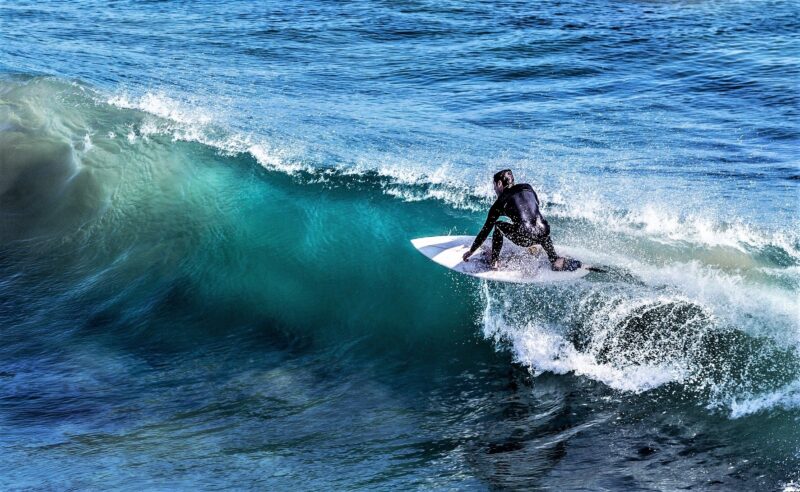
{"x": 541, "y": 348}
{"x": 759, "y": 308}
{"x": 638, "y": 337}
{"x": 654, "y": 222}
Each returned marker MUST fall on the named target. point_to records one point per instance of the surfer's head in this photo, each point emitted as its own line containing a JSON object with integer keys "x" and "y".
{"x": 502, "y": 180}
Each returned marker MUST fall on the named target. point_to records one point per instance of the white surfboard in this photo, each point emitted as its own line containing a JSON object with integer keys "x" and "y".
{"x": 517, "y": 264}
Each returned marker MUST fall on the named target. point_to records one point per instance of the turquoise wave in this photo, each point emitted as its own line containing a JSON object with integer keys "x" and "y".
{"x": 112, "y": 210}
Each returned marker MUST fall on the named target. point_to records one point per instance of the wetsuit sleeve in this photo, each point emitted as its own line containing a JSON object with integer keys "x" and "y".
{"x": 494, "y": 214}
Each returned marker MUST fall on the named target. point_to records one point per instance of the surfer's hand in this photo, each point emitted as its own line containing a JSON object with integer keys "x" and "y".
{"x": 467, "y": 255}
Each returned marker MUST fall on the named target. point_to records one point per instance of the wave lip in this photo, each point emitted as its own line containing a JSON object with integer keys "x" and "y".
{"x": 196, "y": 124}
{"x": 415, "y": 181}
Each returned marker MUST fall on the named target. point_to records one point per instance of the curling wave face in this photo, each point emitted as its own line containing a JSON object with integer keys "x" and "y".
{"x": 136, "y": 191}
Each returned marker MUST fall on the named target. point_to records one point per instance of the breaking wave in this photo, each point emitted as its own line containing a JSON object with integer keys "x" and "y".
{"x": 689, "y": 302}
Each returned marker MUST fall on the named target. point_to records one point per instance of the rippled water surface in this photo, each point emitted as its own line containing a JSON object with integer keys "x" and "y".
{"x": 206, "y": 279}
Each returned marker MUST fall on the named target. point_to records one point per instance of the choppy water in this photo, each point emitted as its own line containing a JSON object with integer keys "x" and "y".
{"x": 206, "y": 279}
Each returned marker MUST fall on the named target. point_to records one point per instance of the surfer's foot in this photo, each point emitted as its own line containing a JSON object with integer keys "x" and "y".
{"x": 494, "y": 265}
{"x": 535, "y": 249}
{"x": 563, "y": 264}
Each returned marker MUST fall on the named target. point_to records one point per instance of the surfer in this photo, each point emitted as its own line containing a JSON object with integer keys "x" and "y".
{"x": 527, "y": 228}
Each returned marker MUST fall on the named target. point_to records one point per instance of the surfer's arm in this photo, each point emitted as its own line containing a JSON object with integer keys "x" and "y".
{"x": 494, "y": 214}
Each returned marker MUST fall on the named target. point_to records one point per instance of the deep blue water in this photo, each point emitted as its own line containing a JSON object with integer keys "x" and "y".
{"x": 206, "y": 279}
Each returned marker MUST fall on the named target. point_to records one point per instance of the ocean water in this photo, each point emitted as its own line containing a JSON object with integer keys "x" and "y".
{"x": 206, "y": 280}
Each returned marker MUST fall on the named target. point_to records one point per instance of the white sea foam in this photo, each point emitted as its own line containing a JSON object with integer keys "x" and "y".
{"x": 542, "y": 351}
{"x": 192, "y": 124}
{"x": 791, "y": 487}
{"x": 750, "y": 304}
{"x": 787, "y": 398}
{"x": 661, "y": 223}
{"x": 759, "y": 309}
{"x": 541, "y": 348}
{"x": 700, "y": 299}
{"x": 276, "y": 159}
{"x": 445, "y": 195}
{"x": 161, "y": 105}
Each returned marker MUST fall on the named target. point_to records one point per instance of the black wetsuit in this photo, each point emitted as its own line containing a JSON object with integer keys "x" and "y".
{"x": 527, "y": 227}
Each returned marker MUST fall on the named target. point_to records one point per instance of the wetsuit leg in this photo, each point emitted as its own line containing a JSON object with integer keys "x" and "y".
{"x": 570, "y": 264}
{"x": 518, "y": 235}
{"x": 547, "y": 245}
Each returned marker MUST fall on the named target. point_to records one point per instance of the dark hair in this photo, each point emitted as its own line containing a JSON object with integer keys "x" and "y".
{"x": 506, "y": 176}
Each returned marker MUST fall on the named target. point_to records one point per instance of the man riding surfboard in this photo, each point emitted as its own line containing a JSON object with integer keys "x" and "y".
{"x": 527, "y": 228}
